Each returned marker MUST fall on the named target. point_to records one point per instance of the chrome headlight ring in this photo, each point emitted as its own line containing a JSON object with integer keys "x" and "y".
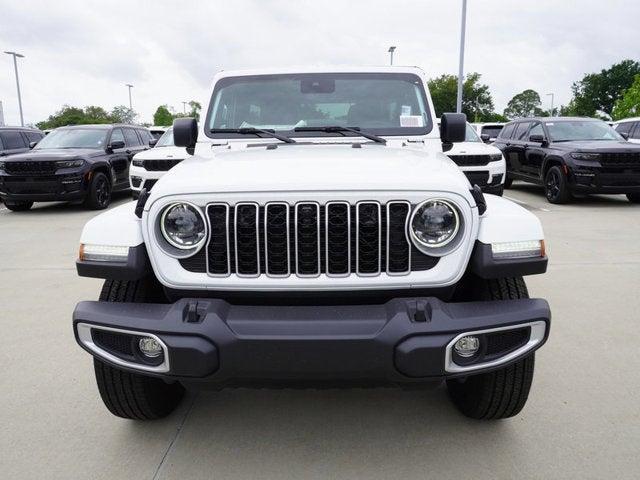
{"x": 438, "y": 248}
{"x": 183, "y": 250}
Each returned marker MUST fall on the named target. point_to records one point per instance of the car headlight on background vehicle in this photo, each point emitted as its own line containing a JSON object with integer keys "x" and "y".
{"x": 495, "y": 157}
{"x": 69, "y": 163}
{"x": 585, "y": 156}
{"x": 183, "y": 226}
{"x": 1, "y": 165}
{"x": 434, "y": 224}
{"x": 138, "y": 163}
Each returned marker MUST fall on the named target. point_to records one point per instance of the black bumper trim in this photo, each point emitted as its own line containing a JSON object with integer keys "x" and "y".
{"x": 318, "y": 343}
{"x": 137, "y": 266}
{"x": 484, "y": 265}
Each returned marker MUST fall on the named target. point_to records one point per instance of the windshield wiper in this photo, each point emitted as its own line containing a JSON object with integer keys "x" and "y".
{"x": 338, "y": 129}
{"x": 254, "y": 131}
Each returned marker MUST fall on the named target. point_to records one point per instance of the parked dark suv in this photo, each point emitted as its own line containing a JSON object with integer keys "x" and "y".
{"x": 78, "y": 163}
{"x": 570, "y": 155}
{"x": 14, "y": 140}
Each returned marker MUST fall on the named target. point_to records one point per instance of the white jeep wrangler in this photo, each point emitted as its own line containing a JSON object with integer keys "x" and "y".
{"x": 318, "y": 236}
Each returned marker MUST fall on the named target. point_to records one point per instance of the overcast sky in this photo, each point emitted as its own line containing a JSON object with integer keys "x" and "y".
{"x": 83, "y": 52}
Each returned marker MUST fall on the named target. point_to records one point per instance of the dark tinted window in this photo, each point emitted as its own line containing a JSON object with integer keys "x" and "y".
{"x": 625, "y": 127}
{"x": 507, "y": 131}
{"x": 12, "y": 140}
{"x": 536, "y": 130}
{"x": 33, "y": 136}
{"x": 1, "y": 144}
{"x": 635, "y": 133}
{"x": 117, "y": 136}
{"x": 144, "y": 135}
{"x": 521, "y": 130}
{"x": 131, "y": 137}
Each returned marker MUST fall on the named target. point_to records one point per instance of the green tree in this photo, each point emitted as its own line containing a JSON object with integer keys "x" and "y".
{"x": 477, "y": 103}
{"x": 69, "y": 115}
{"x": 123, "y": 114}
{"x": 195, "y": 109}
{"x": 163, "y": 116}
{"x": 629, "y": 104}
{"x": 525, "y": 104}
{"x": 597, "y": 93}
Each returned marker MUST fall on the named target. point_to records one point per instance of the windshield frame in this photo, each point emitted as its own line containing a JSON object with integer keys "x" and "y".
{"x": 59, "y": 131}
{"x": 581, "y": 120}
{"x": 383, "y": 132}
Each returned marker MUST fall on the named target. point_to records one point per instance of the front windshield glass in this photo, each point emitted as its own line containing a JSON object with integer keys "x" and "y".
{"x": 166, "y": 140}
{"x": 471, "y": 135}
{"x": 379, "y": 103}
{"x": 568, "y": 130}
{"x": 74, "y": 138}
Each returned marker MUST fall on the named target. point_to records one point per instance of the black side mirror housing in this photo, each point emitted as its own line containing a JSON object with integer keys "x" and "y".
{"x": 536, "y": 138}
{"x": 485, "y": 137}
{"x": 453, "y": 127}
{"x": 32, "y": 144}
{"x": 624, "y": 135}
{"x": 152, "y": 142}
{"x": 115, "y": 145}
{"x": 185, "y": 133}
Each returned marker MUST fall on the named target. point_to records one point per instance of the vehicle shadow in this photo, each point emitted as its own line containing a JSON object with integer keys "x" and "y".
{"x": 118, "y": 198}
{"x": 591, "y": 200}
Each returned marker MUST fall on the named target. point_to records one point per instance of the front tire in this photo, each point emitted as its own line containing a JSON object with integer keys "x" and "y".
{"x": 99, "y": 193}
{"x": 556, "y": 188}
{"x": 132, "y": 395}
{"x": 18, "y": 206}
{"x": 501, "y": 393}
{"x": 633, "y": 197}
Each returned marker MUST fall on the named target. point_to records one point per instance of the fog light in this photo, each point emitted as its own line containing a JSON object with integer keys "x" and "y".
{"x": 150, "y": 347}
{"x": 467, "y": 346}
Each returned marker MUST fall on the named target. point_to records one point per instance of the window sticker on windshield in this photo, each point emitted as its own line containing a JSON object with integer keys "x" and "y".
{"x": 549, "y": 124}
{"x": 411, "y": 121}
{"x": 406, "y": 110}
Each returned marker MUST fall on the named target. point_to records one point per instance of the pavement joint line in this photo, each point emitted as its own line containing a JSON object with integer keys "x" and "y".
{"x": 175, "y": 437}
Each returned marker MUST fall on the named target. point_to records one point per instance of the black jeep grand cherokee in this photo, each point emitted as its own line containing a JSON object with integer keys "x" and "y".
{"x": 570, "y": 155}
{"x": 78, "y": 163}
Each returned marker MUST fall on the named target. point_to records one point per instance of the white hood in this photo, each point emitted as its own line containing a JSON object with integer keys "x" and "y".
{"x": 314, "y": 168}
{"x": 473, "y": 148}
{"x": 163, "y": 153}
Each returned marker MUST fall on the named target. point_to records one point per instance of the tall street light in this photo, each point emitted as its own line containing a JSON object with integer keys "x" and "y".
{"x": 15, "y": 66}
{"x": 552, "y": 96}
{"x": 130, "y": 87}
{"x": 391, "y": 50}
{"x": 463, "y": 26}
{"x": 184, "y": 107}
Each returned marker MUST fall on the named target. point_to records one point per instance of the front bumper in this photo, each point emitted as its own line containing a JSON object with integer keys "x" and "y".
{"x": 402, "y": 341}
{"x": 71, "y": 185}
{"x": 607, "y": 180}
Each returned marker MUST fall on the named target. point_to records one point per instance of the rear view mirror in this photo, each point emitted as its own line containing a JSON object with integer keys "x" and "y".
{"x": 185, "y": 133}
{"x": 537, "y": 138}
{"x": 624, "y": 135}
{"x": 152, "y": 142}
{"x": 32, "y": 144}
{"x": 453, "y": 127}
{"x": 485, "y": 137}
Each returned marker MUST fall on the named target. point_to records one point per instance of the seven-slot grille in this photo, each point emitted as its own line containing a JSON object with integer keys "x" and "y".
{"x": 620, "y": 160}
{"x": 308, "y": 239}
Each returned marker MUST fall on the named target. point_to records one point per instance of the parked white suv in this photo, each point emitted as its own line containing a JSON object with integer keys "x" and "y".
{"x": 147, "y": 167}
{"x": 317, "y": 237}
{"x": 629, "y": 127}
{"x": 482, "y": 164}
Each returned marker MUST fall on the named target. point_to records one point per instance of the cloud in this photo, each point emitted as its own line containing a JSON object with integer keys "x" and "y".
{"x": 83, "y": 52}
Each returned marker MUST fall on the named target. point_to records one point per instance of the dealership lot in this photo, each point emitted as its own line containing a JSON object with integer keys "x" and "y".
{"x": 582, "y": 419}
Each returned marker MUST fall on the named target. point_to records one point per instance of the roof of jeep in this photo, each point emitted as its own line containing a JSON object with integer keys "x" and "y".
{"x": 320, "y": 69}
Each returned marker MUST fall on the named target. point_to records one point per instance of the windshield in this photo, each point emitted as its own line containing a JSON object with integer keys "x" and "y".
{"x": 166, "y": 140}
{"x": 74, "y": 138}
{"x": 471, "y": 135}
{"x": 380, "y": 103}
{"x": 566, "y": 130}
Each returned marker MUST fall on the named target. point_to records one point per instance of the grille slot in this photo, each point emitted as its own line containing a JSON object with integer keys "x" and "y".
{"x": 307, "y": 223}
{"x": 276, "y": 239}
{"x": 160, "y": 165}
{"x": 307, "y": 239}
{"x": 218, "y": 257}
{"x": 246, "y": 239}
{"x": 368, "y": 238}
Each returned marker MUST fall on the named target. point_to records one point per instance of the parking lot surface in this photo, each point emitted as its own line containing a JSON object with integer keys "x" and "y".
{"x": 582, "y": 419}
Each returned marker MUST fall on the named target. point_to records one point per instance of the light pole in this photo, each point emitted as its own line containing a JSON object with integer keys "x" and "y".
{"x": 463, "y": 26}
{"x": 130, "y": 87}
{"x": 184, "y": 107}
{"x": 15, "y": 66}
{"x": 391, "y": 50}
{"x": 551, "y": 95}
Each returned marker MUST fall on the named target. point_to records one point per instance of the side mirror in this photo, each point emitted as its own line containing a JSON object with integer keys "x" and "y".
{"x": 152, "y": 142}
{"x": 453, "y": 128}
{"x": 32, "y": 144}
{"x": 185, "y": 133}
{"x": 537, "y": 139}
{"x": 115, "y": 145}
{"x": 624, "y": 135}
{"x": 485, "y": 137}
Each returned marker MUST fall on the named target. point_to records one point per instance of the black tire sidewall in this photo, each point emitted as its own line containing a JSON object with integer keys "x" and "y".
{"x": 563, "y": 195}
{"x": 93, "y": 201}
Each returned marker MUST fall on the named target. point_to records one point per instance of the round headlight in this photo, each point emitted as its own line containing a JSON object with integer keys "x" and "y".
{"x": 434, "y": 223}
{"x": 183, "y": 226}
